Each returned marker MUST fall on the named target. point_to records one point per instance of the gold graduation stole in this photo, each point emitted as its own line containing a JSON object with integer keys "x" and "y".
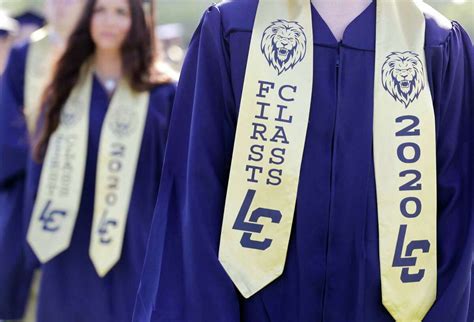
{"x": 119, "y": 148}
{"x": 269, "y": 144}
{"x": 38, "y": 68}
{"x": 61, "y": 182}
{"x": 405, "y": 162}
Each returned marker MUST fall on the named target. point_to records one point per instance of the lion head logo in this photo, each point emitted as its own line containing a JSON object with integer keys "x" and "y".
{"x": 123, "y": 121}
{"x": 402, "y": 76}
{"x": 71, "y": 114}
{"x": 283, "y": 44}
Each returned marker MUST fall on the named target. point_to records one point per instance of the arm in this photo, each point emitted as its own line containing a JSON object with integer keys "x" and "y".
{"x": 183, "y": 279}
{"x": 453, "y": 96}
{"x": 15, "y": 269}
{"x": 14, "y": 143}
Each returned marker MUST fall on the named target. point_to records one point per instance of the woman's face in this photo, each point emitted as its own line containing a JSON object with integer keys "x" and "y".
{"x": 110, "y": 24}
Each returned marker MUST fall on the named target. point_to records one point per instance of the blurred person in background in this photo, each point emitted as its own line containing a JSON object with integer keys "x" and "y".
{"x": 94, "y": 175}
{"x": 205, "y": 263}
{"x": 30, "y": 21}
{"x": 8, "y": 31}
{"x": 29, "y": 67}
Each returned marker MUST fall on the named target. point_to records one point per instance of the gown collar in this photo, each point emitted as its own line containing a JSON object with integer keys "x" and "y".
{"x": 359, "y": 34}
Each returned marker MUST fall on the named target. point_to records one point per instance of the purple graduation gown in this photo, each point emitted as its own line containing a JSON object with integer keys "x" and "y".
{"x": 70, "y": 289}
{"x": 16, "y": 267}
{"x": 332, "y": 269}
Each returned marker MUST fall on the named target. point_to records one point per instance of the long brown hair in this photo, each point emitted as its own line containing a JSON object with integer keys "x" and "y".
{"x": 138, "y": 58}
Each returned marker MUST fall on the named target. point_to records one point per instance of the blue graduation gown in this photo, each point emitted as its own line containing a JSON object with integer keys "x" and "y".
{"x": 16, "y": 267}
{"x": 332, "y": 268}
{"x": 70, "y": 288}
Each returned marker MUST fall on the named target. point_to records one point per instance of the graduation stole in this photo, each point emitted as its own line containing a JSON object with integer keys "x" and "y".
{"x": 404, "y": 162}
{"x": 269, "y": 144}
{"x": 38, "y": 68}
{"x": 61, "y": 183}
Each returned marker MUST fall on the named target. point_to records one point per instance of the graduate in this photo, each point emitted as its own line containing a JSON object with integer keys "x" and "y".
{"x": 8, "y": 30}
{"x": 30, "y": 21}
{"x": 311, "y": 178}
{"x": 30, "y": 66}
{"x": 96, "y": 164}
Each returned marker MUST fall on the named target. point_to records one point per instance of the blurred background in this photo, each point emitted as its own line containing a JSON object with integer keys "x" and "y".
{"x": 177, "y": 20}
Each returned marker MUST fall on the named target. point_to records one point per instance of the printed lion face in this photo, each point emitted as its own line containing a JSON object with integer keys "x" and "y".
{"x": 123, "y": 121}
{"x": 72, "y": 111}
{"x": 402, "y": 76}
{"x": 283, "y": 44}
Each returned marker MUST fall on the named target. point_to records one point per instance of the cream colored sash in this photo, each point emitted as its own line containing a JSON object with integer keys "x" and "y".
{"x": 60, "y": 188}
{"x": 269, "y": 143}
{"x": 38, "y": 68}
{"x": 61, "y": 182}
{"x": 405, "y": 162}
{"x": 119, "y": 148}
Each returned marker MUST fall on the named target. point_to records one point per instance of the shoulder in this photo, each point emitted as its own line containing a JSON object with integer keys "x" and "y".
{"x": 162, "y": 94}
{"x": 160, "y": 104}
{"x": 233, "y": 15}
{"x": 13, "y": 77}
{"x": 19, "y": 53}
{"x": 438, "y": 27}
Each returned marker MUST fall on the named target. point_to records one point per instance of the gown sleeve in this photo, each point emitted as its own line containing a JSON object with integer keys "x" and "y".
{"x": 13, "y": 132}
{"x": 16, "y": 270}
{"x": 182, "y": 278}
{"x": 453, "y": 95}
{"x": 162, "y": 100}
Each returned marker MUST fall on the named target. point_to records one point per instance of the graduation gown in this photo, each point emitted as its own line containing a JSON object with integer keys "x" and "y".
{"x": 332, "y": 269}
{"x": 70, "y": 289}
{"x": 16, "y": 267}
